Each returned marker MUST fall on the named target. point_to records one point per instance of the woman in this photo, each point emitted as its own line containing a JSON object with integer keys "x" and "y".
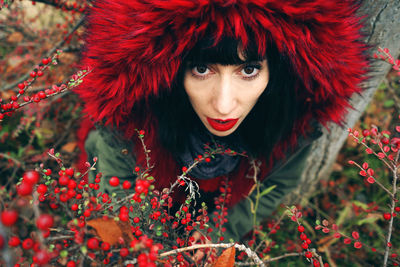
{"x": 257, "y": 77}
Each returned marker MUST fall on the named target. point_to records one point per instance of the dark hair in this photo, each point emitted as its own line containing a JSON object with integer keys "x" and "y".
{"x": 271, "y": 119}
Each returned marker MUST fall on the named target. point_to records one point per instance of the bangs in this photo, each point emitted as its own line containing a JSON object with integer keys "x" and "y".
{"x": 225, "y": 52}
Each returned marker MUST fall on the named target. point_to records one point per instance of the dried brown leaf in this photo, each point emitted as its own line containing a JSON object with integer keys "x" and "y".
{"x": 226, "y": 259}
{"x": 15, "y": 37}
{"x": 111, "y": 231}
{"x": 69, "y": 147}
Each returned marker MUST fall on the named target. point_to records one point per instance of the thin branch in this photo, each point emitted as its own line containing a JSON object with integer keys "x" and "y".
{"x": 62, "y": 5}
{"x": 293, "y": 254}
{"x": 2, "y": 155}
{"x": 393, "y": 204}
{"x": 51, "y": 52}
{"x": 251, "y": 254}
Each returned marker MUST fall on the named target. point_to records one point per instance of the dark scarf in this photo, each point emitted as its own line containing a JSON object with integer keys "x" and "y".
{"x": 221, "y": 164}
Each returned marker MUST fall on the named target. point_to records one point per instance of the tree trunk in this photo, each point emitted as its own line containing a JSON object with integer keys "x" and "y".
{"x": 382, "y": 29}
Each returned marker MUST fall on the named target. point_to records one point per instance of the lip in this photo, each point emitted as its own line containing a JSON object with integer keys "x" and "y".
{"x": 222, "y": 125}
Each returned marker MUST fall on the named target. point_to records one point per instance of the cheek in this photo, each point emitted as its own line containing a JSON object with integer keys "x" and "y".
{"x": 192, "y": 88}
{"x": 252, "y": 93}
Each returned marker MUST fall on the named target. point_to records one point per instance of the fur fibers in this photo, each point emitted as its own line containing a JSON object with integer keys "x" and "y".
{"x": 135, "y": 49}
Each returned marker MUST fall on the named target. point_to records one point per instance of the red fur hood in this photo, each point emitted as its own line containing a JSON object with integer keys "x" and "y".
{"x": 135, "y": 48}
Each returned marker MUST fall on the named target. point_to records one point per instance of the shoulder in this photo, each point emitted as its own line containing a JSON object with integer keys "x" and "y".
{"x": 114, "y": 153}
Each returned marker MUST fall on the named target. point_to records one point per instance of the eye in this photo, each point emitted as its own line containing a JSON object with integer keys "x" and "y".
{"x": 200, "y": 70}
{"x": 250, "y": 71}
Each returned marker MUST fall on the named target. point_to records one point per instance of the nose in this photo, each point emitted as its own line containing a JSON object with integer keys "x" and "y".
{"x": 224, "y": 100}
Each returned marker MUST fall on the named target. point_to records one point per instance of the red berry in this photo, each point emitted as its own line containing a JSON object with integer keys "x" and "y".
{"x": 126, "y": 185}
{"x": 40, "y": 73}
{"x": 184, "y": 169}
{"x": 21, "y": 86}
{"x": 15, "y": 105}
{"x": 114, "y": 181}
{"x": 42, "y": 95}
{"x": 136, "y": 220}
{"x": 63, "y": 180}
{"x": 137, "y": 169}
{"x": 14, "y": 241}
{"x": 69, "y": 172}
{"x": 71, "y": 184}
{"x": 304, "y": 245}
{"x": 105, "y": 246}
{"x": 355, "y": 235}
{"x": 300, "y": 228}
{"x": 74, "y": 207}
{"x": 397, "y": 209}
{"x": 71, "y": 264}
{"x": 357, "y": 244}
{"x": 31, "y": 177}
{"x": 179, "y": 257}
{"x": 93, "y": 243}
{"x": 45, "y": 61}
{"x": 27, "y": 244}
{"x": 303, "y": 236}
{"x": 24, "y": 189}
{"x": 308, "y": 254}
{"x": 124, "y": 252}
{"x": 33, "y": 74}
{"x": 87, "y": 213}
{"x": 9, "y": 217}
{"x": 387, "y": 216}
{"x": 41, "y": 257}
{"x": 124, "y": 216}
{"x": 44, "y": 222}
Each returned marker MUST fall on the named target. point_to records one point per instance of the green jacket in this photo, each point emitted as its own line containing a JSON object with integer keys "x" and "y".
{"x": 113, "y": 160}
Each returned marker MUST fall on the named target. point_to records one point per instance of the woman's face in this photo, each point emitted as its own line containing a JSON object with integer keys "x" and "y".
{"x": 222, "y": 96}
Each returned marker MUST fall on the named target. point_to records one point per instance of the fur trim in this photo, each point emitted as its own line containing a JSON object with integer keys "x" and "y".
{"x": 135, "y": 48}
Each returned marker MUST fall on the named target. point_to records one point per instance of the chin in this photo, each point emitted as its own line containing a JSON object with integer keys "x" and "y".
{"x": 220, "y": 133}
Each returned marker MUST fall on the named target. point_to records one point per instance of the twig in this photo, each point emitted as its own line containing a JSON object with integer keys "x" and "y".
{"x": 36, "y": 212}
{"x": 52, "y": 51}
{"x": 373, "y": 151}
{"x": 251, "y": 254}
{"x": 11, "y": 158}
{"x": 58, "y": 5}
{"x": 393, "y": 204}
{"x": 293, "y": 254}
{"x": 60, "y": 237}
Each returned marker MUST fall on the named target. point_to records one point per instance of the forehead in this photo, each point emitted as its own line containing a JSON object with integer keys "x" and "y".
{"x": 227, "y": 51}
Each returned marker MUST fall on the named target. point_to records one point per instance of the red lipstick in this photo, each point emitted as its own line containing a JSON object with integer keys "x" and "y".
{"x": 222, "y": 125}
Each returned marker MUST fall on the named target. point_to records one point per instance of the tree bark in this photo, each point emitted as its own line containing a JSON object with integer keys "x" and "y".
{"x": 382, "y": 29}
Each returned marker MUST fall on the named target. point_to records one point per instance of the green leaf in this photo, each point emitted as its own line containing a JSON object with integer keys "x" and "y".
{"x": 84, "y": 250}
{"x": 369, "y": 220}
{"x": 360, "y": 204}
{"x": 266, "y": 191}
{"x": 388, "y": 103}
{"x": 251, "y": 206}
{"x": 63, "y": 253}
{"x": 343, "y": 214}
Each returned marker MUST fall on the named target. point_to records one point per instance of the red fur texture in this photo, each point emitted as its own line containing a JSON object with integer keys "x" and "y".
{"x": 135, "y": 48}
